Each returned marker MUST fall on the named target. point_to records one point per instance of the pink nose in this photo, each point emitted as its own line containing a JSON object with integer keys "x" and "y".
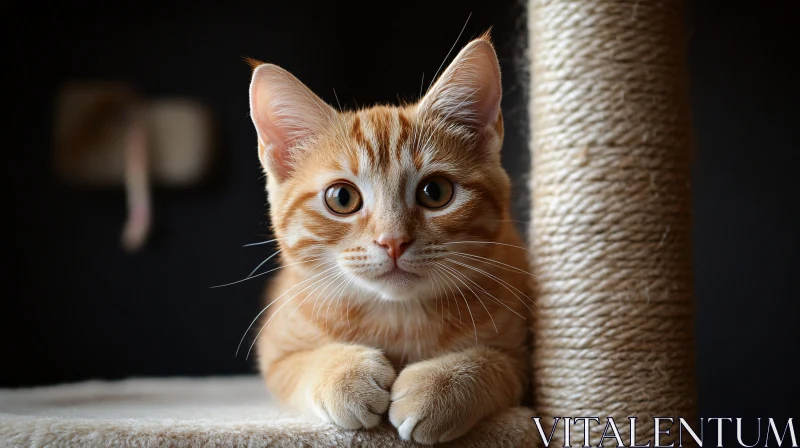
{"x": 395, "y": 245}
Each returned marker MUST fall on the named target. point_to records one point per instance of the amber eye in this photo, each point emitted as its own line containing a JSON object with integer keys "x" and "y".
{"x": 343, "y": 198}
{"x": 434, "y": 192}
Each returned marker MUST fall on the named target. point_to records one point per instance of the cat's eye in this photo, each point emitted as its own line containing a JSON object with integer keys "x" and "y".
{"x": 434, "y": 192}
{"x": 343, "y": 199}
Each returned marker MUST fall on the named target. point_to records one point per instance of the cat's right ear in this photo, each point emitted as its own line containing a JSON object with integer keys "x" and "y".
{"x": 286, "y": 115}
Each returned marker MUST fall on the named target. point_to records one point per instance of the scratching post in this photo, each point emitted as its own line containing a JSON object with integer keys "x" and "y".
{"x": 610, "y": 227}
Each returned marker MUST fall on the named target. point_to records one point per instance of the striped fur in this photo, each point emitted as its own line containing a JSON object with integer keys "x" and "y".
{"x": 439, "y": 347}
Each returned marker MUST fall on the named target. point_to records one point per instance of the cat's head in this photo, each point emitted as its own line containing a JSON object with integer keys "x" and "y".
{"x": 378, "y": 197}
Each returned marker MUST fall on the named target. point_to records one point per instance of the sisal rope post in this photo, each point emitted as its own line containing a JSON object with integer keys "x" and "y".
{"x": 610, "y": 219}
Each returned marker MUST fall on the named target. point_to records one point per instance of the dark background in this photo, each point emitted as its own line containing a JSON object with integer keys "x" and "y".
{"x": 75, "y": 307}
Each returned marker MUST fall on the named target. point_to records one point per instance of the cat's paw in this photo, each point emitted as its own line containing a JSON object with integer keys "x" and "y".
{"x": 434, "y": 402}
{"x": 352, "y": 391}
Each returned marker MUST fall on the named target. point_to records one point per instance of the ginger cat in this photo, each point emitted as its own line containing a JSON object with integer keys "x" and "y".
{"x": 404, "y": 287}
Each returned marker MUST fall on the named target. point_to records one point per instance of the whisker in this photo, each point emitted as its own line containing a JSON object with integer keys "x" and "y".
{"x": 263, "y": 242}
{"x": 334, "y": 291}
{"x": 457, "y": 276}
{"x": 435, "y": 275}
{"x": 495, "y": 277}
{"x": 446, "y": 296}
{"x": 347, "y": 312}
{"x": 270, "y": 304}
{"x": 316, "y": 300}
{"x": 338, "y": 302}
{"x": 438, "y": 271}
{"x": 502, "y": 282}
{"x": 265, "y": 260}
{"x": 286, "y": 302}
{"x": 342, "y": 286}
{"x": 340, "y": 306}
{"x": 332, "y": 278}
{"x": 435, "y": 290}
{"x": 448, "y": 53}
{"x": 472, "y": 318}
{"x": 433, "y": 80}
{"x": 439, "y": 287}
{"x": 482, "y": 289}
{"x": 510, "y": 267}
{"x": 319, "y": 285}
{"x": 487, "y": 242}
{"x": 337, "y": 100}
{"x": 264, "y": 273}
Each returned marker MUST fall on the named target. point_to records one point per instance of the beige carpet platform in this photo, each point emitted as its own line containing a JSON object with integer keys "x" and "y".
{"x": 181, "y": 412}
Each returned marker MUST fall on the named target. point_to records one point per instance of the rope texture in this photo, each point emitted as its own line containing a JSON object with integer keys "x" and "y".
{"x": 610, "y": 227}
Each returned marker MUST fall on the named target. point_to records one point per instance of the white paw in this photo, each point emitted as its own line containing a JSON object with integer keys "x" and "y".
{"x": 355, "y": 393}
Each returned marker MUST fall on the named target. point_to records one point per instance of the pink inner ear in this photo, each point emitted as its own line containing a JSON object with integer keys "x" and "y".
{"x": 469, "y": 90}
{"x": 488, "y": 105}
{"x": 273, "y": 141}
{"x": 284, "y": 112}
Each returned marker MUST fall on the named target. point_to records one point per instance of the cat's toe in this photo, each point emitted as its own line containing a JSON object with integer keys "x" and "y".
{"x": 426, "y": 410}
{"x": 426, "y": 429}
{"x": 347, "y": 415}
{"x": 357, "y": 394}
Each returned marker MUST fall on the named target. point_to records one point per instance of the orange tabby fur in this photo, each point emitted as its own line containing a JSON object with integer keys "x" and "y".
{"x": 442, "y": 342}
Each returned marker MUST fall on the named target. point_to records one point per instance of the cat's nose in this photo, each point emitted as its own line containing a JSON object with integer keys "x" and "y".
{"x": 395, "y": 245}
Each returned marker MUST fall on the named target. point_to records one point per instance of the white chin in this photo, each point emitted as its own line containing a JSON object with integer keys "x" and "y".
{"x": 398, "y": 286}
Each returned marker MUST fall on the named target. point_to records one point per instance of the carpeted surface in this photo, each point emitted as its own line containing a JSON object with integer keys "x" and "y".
{"x": 181, "y": 412}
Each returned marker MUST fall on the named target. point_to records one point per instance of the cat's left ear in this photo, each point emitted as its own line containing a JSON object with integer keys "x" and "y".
{"x": 469, "y": 91}
{"x": 287, "y": 115}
